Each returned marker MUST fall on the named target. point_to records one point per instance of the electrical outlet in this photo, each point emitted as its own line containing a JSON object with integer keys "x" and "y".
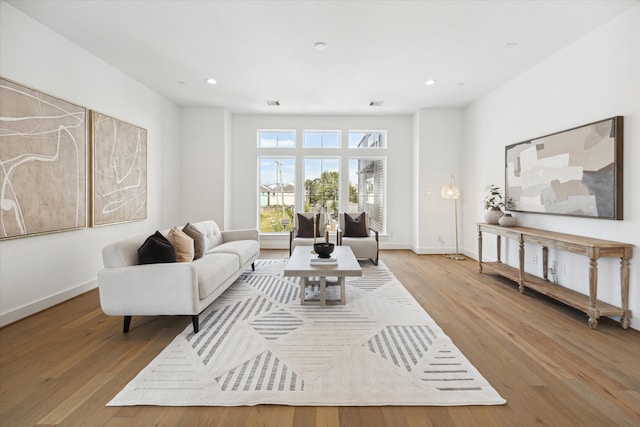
{"x": 534, "y": 259}
{"x": 440, "y": 239}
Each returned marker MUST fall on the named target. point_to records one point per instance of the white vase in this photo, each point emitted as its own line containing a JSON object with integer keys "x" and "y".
{"x": 507, "y": 220}
{"x": 493, "y": 215}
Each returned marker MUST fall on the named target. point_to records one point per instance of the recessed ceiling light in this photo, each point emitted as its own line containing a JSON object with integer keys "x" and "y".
{"x": 510, "y": 45}
{"x": 320, "y": 45}
{"x": 430, "y": 82}
{"x": 211, "y": 81}
{"x": 273, "y": 103}
{"x": 376, "y": 103}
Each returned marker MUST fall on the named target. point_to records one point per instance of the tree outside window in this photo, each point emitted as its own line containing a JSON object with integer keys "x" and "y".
{"x": 322, "y": 186}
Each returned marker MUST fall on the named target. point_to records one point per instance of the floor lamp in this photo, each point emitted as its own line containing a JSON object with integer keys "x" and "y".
{"x": 452, "y": 192}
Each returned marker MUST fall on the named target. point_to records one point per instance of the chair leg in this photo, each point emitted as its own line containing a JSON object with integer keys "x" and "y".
{"x": 127, "y": 323}
{"x": 196, "y": 323}
{"x": 253, "y": 266}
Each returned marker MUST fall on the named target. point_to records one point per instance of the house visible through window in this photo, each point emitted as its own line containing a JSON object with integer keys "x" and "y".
{"x": 367, "y": 139}
{"x": 277, "y": 193}
{"x": 366, "y": 189}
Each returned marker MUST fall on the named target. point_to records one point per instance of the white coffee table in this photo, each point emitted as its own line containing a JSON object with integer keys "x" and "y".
{"x": 299, "y": 266}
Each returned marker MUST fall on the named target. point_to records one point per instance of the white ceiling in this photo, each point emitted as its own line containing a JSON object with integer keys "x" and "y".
{"x": 376, "y": 50}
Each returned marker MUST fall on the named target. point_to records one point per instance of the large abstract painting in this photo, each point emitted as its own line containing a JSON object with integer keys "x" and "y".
{"x": 575, "y": 172}
{"x": 119, "y": 160}
{"x": 43, "y": 146}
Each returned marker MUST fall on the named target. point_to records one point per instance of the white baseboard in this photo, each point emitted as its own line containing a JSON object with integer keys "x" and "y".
{"x": 45, "y": 303}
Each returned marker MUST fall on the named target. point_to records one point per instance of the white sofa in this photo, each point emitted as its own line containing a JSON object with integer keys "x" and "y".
{"x": 181, "y": 288}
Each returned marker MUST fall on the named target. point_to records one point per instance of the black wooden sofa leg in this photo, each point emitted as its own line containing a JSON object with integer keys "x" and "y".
{"x": 196, "y": 323}
{"x": 127, "y": 323}
{"x": 253, "y": 266}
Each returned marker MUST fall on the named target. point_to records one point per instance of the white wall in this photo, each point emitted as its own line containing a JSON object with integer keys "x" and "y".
{"x": 203, "y": 154}
{"x": 244, "y": 168}
{"x": 437, "y": 156}
{"x": 594, "y": 78}
{"x": 37, "y": 272}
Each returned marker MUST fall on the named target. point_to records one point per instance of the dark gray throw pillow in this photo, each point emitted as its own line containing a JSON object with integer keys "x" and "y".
{"x": 355, "y": 227}
{"x": 199, "y": 240}
{"x": 305, "y": 225}
{"x": 156, "y": 249}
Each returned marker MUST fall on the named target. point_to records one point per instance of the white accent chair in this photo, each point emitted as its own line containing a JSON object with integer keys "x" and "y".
{"x": 365, "y": 247}
{"x": 296, "y": 240}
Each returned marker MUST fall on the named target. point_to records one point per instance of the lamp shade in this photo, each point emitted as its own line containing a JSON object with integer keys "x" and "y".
{"x": 450, "y": 192}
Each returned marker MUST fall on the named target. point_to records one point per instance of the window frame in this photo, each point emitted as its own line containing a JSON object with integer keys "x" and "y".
{"x": 380, "y": 131}
{"x": 321, "y": 131}
{"x": 276, "y": 131}
{"x": 259, "y": 196}
{"x": 339, "y": 159}
{"x": 383, "y": 228}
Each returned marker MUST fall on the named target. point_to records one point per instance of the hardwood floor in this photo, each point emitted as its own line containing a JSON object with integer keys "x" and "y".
{"x": 61, "y": 366}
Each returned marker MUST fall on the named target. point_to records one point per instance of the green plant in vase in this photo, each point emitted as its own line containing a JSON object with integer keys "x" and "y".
{"x": 494, "y": 201}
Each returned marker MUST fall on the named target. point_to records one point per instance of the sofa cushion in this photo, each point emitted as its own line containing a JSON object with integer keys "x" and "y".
{"x": 199, "y": 242}
{"x": 213, "y": 270}
{"x": 156, "y": 249}
{"x": 182, "y": 244}
{"x": 243, "y": 249}
{"x": 355, "y": 227}
{"x": 211, "y": 231}
{"x": 305, "y": 225}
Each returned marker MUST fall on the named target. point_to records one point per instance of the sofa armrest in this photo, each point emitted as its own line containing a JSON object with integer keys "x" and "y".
{"x": 246, "y": 234}
{"x": 152, "y": 289}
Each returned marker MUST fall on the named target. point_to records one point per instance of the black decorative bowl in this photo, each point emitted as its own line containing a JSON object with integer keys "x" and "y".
{"x": 323, "y": 249}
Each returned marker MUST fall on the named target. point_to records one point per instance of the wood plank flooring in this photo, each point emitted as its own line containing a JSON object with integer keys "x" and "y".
{"x": 61, "y": 366}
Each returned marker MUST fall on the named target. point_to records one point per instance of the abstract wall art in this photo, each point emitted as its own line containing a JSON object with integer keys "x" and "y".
{"x": 576, "y": 172}
{"x": 119, "y": 171}
{"x": 43, "y": 146}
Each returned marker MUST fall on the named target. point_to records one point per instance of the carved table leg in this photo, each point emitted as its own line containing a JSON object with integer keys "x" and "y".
{"x": 593, "y": 293}
{"x": 479, "y": 250}
{"x": 624, "y": 292}
{"x": 545, "y": 262}
{"x": 521, "y": 267}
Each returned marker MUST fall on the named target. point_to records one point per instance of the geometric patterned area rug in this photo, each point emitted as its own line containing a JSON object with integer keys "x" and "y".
{"x": 258, "y": 345}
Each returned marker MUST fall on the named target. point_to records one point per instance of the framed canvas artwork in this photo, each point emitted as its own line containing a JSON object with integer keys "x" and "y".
{"x": 119, "y": 171}
{"x": 43, "y": 153}
{"x": 575, "y": 172}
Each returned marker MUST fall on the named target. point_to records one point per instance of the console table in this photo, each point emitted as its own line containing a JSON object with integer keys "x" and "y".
{"x": 589, "y": 247}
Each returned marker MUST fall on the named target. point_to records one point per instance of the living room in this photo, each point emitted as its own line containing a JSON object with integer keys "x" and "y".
{"x": 202, "y": 159}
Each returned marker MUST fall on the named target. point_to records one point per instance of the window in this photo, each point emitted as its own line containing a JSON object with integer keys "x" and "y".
{"x": 322, "y": 186}
{"x": 276, "y": 138}
{"x": 277, "y": 193}
{"x": 321, "y": 139}
{"x": 311, "y": 176}
{"x": 367, "y": 139}
{"x": 366, "y": 189}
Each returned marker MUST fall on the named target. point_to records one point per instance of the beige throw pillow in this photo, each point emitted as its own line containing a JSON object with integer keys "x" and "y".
{"x": 182, "y": 244}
